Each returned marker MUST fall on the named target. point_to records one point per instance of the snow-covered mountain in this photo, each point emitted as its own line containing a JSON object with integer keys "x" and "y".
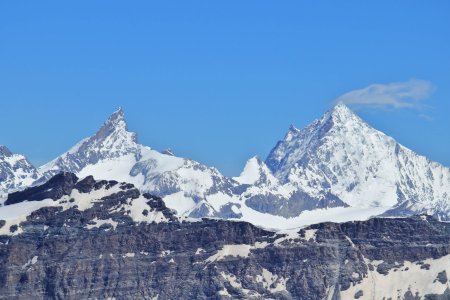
{"x": 341, "y": 156}
{"x": 114, "y": 153}
{"x": 16, "y": 171}
{"x": 336, "y": 169}
{"x": 112, "y": 142}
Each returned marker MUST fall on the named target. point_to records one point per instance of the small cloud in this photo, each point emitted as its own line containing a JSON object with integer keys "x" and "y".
{"x": 426, "y": 117}
{"x": 396, "y": 95}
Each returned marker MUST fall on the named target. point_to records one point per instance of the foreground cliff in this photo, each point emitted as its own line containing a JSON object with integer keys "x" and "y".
{"x": 80, "y": 239}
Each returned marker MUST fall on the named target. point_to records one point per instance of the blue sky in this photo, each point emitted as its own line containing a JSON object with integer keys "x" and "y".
{"x": 219, "y": 81}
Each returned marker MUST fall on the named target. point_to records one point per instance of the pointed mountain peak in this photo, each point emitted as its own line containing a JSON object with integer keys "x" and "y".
{"x": 116, "y": 119}
{"x": 255, "y": 162}
{"x": 255, "y": 159}
{"x": 118, "y": 113}
{"x": 4, "y": 151}
{"x": 112, "y": 140}
{"x": 340, "y": 105}
{"x": 16, "y": 171}
{"x": 115, "y": 124}
{"x": 337, "y": 123}
{"x": 251, "y": 172}
{"x": 342, "y": 110}
{"x": 339, "y": 115}
{"x": 254, "y": 171}
{"x": 292, "y": 128}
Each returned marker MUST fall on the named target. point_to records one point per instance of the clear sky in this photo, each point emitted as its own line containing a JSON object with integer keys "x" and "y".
{"x": 221, "y": 81}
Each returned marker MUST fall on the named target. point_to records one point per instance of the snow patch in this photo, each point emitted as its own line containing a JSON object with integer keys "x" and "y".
{"x": 200, "y": 251}
{"x": 234, "y": 282}
{"x": 179, "y": 202}
{"x": 99, "y": 222}
{"x": 306, "y": 218}
{"x": 230, "y": 250}
{"x": 410, "y": 277}
{"x": 271, "y": 282}
{"x": 310, "y": 234}
{"x": 16, "y": 213}
{"x": 30, "y": 262}
{"x": 165, "y": 253}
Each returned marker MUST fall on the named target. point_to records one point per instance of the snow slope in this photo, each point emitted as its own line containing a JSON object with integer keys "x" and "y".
{"x": 342, "y": 156}
{"x": 336, "y": 169}
{"x": 409, "y": 279}
{"x": 114, "y": 153}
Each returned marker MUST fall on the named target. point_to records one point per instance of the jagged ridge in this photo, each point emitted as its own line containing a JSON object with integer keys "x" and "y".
{"x": 342, "y": 155}
{"x": 338, "y": 161}
{"x": 97, "y": 246}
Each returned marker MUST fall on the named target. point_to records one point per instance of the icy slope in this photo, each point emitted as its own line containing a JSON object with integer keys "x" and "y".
{"x": 16, "y": 172}
{"x": 342, "y": 156}
{"x": 256, "y": 172}
{"x": 114, "y": 153}
{"x": 337, "y": 166}
{"x": 111, "y": 142}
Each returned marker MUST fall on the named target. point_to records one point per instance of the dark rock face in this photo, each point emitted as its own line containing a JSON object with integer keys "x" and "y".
{"x": 67, "y": 253}
{"x": 146, "y": 260}
{"x": 442, "y": 277}
{"x": 58, "y": 186}
{"x": 292, "y": 207}
{"x": 359, "y": 294}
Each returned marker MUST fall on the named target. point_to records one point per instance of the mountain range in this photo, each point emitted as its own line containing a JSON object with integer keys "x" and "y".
{"x": 338, "y": 168}
{"x": 114, "y": 219}
{"x": 81, "y": 238}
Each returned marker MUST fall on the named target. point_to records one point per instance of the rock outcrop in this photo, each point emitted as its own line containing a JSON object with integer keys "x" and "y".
{"x": 104, "y": 239}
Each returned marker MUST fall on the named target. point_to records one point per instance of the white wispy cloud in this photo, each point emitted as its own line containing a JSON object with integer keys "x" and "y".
{"x": 408, "y": 94}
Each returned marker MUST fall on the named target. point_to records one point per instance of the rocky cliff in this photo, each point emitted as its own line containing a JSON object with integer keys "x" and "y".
{"x": 87, "y": 239}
